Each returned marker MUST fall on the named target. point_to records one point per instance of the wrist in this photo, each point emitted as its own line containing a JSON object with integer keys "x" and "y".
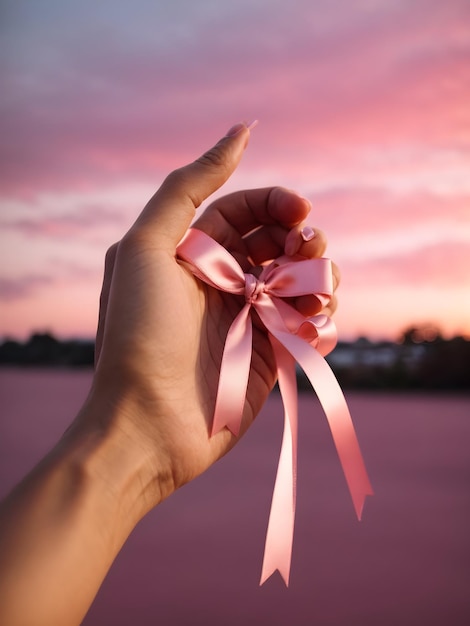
{"x": 106, "y": 445}
{"x": 84, "y": 499}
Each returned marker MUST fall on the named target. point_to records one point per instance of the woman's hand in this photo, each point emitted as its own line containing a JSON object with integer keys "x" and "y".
{"x": 161, "y": 332}
{"x": 144, "y": 429}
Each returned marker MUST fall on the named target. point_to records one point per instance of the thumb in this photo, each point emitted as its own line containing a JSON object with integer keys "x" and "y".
{"x": 169, "y": 213}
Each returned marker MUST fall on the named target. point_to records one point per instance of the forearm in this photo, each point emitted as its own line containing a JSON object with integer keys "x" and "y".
{"x": 62, "y": 527}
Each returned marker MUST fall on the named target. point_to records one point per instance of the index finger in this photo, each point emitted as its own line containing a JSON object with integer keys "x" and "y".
{"x": 232, "y": 217}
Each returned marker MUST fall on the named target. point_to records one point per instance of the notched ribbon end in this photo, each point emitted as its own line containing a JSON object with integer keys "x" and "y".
{"x": 235, "y": 431}
{"x": 219, "y": 423}
{"x": 359, "y": 505}
{"x": 267, "y": 574}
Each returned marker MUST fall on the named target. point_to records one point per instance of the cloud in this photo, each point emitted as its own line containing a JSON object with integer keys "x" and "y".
{"x": 353, "y": 212}
{"x": 12, "y": 289}
{"x": 443, "y": 266}
{"x": 63, "y": 225}
{"x": 60, "y": 274}
{"x": 146, "y": 90}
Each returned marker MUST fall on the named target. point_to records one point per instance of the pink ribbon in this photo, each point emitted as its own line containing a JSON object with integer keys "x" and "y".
{"x": 293, "y": 338}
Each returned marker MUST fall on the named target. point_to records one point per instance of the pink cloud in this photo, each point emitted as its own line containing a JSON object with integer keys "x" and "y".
{"x": 395, "y": 75}
{"x": 63, "y": 225}
{"x": 20, "y": 288}
{"x": 441, "y": 266}
{"x": 65, "y": 274}
{"x": 357, "y": 211}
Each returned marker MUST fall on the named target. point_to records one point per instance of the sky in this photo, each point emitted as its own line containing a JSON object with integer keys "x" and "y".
{"x": 363, "y": 107}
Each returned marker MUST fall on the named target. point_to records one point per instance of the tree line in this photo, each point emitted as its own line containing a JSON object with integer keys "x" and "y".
{"x": 420, "y": 359}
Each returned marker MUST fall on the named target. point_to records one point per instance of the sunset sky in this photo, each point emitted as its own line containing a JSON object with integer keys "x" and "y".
{"x": 363, "y": 107}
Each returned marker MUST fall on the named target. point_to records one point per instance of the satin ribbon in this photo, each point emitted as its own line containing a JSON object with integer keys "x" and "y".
{"x": 294, "y": 338}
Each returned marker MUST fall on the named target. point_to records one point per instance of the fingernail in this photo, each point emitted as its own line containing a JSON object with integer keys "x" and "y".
{"x": 307, "y": 233}
{"x": 238, "y": 127}
{"x": 235, "y": 129}
{"x": 252, "y": 124}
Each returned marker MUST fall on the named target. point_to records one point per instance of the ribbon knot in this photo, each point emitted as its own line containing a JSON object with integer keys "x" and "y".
{"x": 253, "y": 287}
{"x": 294, "y": 338}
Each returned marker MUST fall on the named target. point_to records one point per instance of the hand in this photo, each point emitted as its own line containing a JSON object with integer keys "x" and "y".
{"x": 161, "y": 332}
{"x": 144, "y": 429}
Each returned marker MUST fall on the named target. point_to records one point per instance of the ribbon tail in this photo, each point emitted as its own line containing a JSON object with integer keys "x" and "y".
{"x": 279, "y": 536}
{"x": 337, "y": 413}
{"x": 234, "y": 372}
{"x": 342, "y": 429}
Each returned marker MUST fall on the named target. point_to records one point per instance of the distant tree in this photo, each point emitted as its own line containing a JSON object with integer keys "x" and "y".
{"x": 42, "y": 348}
{"x": 422, "y": 359}
{"x": 446, "y": 365}
{"x": 11, "y": 352}
{"x": 424, "y": 333}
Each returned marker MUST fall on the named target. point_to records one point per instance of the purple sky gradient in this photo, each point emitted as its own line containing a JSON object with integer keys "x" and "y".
{"x": 364, "y": 107}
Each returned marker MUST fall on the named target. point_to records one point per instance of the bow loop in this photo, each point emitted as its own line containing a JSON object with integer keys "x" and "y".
{"x": 211, "y": 263}
{"x": 319, "y": 331}
{"x": 288, "y": 278}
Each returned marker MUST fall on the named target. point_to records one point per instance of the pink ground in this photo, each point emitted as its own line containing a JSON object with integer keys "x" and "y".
{"x": 196, "y": 559}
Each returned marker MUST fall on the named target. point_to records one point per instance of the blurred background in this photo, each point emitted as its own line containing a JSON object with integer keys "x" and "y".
{"x": 364, "y": 108}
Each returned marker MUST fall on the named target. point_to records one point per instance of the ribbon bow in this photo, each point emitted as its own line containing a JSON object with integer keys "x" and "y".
{"x": 293, "y": 338}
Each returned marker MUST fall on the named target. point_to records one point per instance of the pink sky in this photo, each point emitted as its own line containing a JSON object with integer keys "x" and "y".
{"x": 364, "y": 107}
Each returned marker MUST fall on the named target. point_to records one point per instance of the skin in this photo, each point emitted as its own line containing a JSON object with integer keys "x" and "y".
{"x": 144, "y": 429}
